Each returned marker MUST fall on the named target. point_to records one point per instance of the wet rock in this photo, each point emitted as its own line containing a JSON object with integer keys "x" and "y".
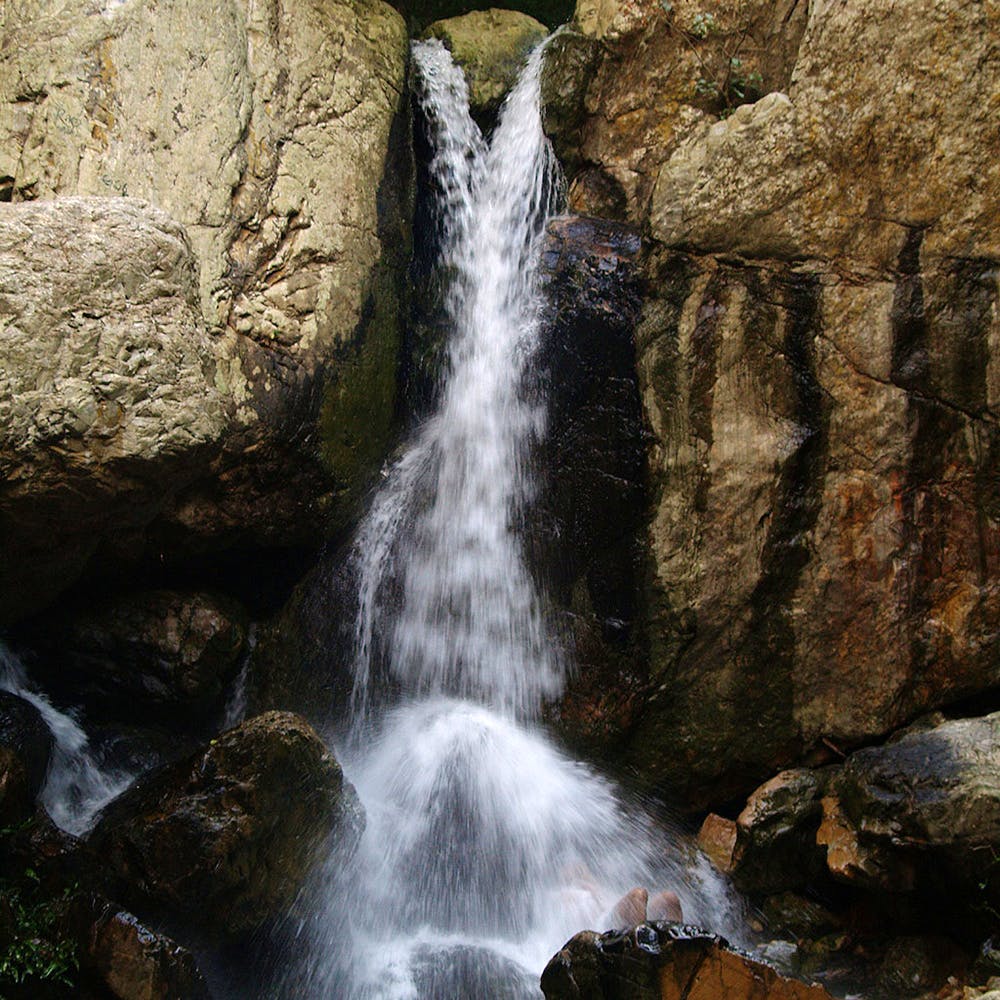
{"x": 929, "y": 803}
{"x": 585, "y": 525}
{"x": 665, "y": 905}
{"x": 25, "y": 748}
{"x": 795, "y": 915}
{"x": 915, "y": 966}
{"x": 135, "y": 963}
{"x": 717, "y": 838}
{"x": 664, "y": 962}
{"x": 225, "y": 375}
{"x": 155, "y": 651}
{"x": 491, "y": 47}
{"x": 776, "y": 834}
{"x": 226, "y": 838}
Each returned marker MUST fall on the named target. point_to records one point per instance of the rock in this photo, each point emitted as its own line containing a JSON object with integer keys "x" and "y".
{"x": 717, "y": 838}
{"x": 135, "y": 963}
{"x": 226, "y": 838}
{"x": 491, "y": 47}
{"x": 917, "y": 965}
{"x": 107, "y": 388}
{"x": 157, "y": 651}
{"x": 795, "y": 915}
{"x": 664, "y": 962}
{"x": 776, "y": 845}
{"x": 278, "y": 143}
{"x": 817, "y": 373}
{"x": 25, "y": 748}
{"x": 929, "y": 803}
{"x": 586, "y": 519}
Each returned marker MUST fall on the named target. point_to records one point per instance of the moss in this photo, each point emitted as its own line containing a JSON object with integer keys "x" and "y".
{"x": 359, "y": 402}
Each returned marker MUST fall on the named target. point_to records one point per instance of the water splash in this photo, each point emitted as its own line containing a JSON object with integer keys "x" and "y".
{"x": 77, "y": 785}
{"x": 486, "y": 847}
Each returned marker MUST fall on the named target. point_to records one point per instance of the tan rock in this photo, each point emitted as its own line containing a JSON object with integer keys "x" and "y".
{"x": 630, "y": 909}
{"x": 491, "y": 47}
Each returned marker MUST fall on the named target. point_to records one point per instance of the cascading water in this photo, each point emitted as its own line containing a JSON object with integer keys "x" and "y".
{"x": 486, "y": 847}
{"x": 77, "y": 786}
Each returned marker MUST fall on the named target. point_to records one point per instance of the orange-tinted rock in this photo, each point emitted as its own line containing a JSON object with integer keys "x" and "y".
{"x": 665, "y": 905}
{"x": 630, "y": 909}
{"x": 717, "y": 838}
{"x": 664, "y": 962}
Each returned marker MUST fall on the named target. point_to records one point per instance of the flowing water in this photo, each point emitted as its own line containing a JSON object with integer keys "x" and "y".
{"x": 78, "y": 784}
{"x": 486, "y": 846}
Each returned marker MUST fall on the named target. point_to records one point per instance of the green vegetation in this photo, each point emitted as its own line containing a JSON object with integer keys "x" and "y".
{"x": 34, "y": 950}
{"x": 421, "y": 13}
{"x": 738, "y": 86}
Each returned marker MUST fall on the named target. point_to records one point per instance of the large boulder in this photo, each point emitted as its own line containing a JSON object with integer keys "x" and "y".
{"x": 158, "y": 651}
{"x": 817, "y": 363}
{"x": 226, "y": 838}
{"x": 491, "y": 46}
{"x": 278, "y": 141}
{"x": 664, "y": 962}
{"x": 928, "y": 806}
{"x": 25, "y": 749}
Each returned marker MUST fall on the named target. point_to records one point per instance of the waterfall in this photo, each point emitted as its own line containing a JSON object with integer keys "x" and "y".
{"x": 77, "y": 785}
{"x": 486, "y": 847}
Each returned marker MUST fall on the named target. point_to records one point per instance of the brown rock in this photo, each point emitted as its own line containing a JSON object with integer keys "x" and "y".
{"x": 665, "y": 905}
{"x": 225, "y": 838}
{"x": 717, "y": 838}
{"x": 662, "y": 962}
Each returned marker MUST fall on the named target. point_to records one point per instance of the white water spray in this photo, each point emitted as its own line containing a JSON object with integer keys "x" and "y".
{"x": 76, "y": 787}
{"x": 486, "y": 847}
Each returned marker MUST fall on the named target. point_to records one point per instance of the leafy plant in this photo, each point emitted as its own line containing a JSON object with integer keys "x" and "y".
{"x": 703, "y": 24}
{"x": 34, "y": 949}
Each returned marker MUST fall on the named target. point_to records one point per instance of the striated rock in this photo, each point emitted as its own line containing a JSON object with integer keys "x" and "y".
{"x": 664, "y": 962}
{"x": 491, "y": 47}
{"x": 278, "y": 141}
{"x": 225, "y": 838}
{"x": 816, "y": 360}
{"x": 25, "y": 749}
{"x": 586, "y": 519}
{"x": 157, "y": 650}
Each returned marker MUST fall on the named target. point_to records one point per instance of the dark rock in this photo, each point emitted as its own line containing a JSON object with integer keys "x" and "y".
{"x": 915, "y": 966}
{"x": 25, "y": 748}
{"x": 154, "y": 652}
{"x": 795, "y": 915}
{"x": 588, "y": 512}
{"x": 134, "y": 962}
{"x": 776, "y": 834}
{"x": 225, "y": 838}
{"x": 664, "y": 962}
{"x": 464, "y": 971}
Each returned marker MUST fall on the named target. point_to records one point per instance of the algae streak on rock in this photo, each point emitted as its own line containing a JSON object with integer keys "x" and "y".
{"x": 818, "y": 362}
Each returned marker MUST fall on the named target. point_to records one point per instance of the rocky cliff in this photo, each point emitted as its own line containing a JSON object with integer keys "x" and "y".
{"x": 817, "y": 356}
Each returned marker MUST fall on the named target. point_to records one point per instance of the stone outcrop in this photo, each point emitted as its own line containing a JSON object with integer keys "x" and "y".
{"x": 817, "y": 360}
{"x": 268, "y": 307}
{"x": 664, "y": 962}
{"x": 491, "y": 47}
{"x": 25, "y": 749}
{"x": 154, "y": 651}
{"x": 226, "y": 838}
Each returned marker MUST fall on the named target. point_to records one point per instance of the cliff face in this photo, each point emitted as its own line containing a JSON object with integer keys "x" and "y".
{"x": 274, "y": 138}
{"x": 819, "y": 361}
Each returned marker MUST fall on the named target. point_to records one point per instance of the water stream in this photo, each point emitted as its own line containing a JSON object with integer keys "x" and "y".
{"x": 486, "y": 846}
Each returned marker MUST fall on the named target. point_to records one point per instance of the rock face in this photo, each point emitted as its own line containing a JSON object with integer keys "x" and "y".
{"x": 25, "y": 748}
{"x": 491, "y": 46}
{"x": 928, "y": 803}
{"x": 156, "y": 650}
{"x": 589, "y": 507}
{"x": 818, "y": 364}
{"x": 277, "y": 143}
{"x": 225, "y": 838}
{"x": 663, "y": 962}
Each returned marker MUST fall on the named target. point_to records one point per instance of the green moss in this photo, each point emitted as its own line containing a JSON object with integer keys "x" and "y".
{"x": 359, "y": 401}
